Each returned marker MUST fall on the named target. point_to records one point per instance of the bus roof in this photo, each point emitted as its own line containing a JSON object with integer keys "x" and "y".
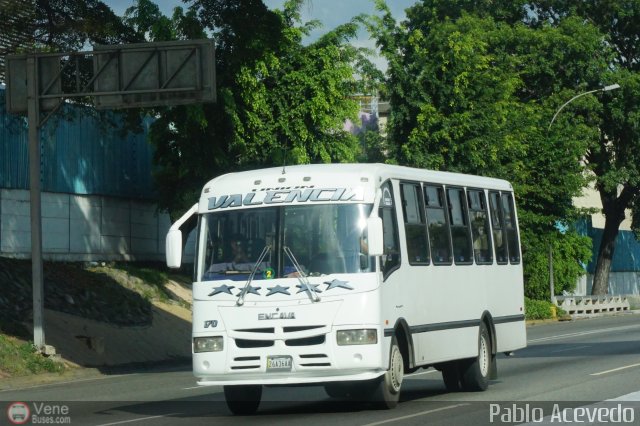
{"x": 345, "y": 174}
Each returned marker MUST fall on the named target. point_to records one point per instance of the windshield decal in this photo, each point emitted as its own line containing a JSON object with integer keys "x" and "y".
{"x": 268, "y": 274}
{"x": 286, "y": 195}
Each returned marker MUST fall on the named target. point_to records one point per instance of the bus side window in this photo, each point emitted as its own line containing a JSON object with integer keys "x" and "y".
{"x": 459, "y": 222}
{"x": 479, "y": 219}
{"x": 415, "y": 226}
{"x": 510, "y": 225}
{"x": 439, "y": 237}
{"x": 391, "y": 258}
{"x": 497, "y": 223}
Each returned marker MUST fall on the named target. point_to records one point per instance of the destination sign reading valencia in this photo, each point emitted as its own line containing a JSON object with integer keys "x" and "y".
{"x": 286, "y": 196}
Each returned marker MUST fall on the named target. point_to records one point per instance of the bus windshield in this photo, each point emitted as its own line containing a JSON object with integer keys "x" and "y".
{"x": 323, "y": 238}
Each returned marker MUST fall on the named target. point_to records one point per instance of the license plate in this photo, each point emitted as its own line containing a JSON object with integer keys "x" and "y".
{"x": 279, "y": 363}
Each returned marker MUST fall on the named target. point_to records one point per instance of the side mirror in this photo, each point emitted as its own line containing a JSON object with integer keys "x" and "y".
{"x": 173, "y": 244}
{"x": 174, "y": 248}
{"x": 375, "y": 236}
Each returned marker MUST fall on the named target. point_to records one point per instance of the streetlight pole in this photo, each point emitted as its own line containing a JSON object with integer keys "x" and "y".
{"x": 602, "y": 89}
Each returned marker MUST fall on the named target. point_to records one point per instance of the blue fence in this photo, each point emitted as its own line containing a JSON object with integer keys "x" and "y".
{"x": 626, "y": 256}
{"x": 82, "y": 152}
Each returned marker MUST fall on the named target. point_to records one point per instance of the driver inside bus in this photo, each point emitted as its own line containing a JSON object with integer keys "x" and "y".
{"x": 238, "y": 251}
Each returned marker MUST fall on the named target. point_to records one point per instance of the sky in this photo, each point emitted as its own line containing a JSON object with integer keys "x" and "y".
{"x": 330, "y": 13}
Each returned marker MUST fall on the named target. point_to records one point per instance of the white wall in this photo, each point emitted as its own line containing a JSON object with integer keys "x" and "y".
{"x": 84, "y": 228}
{"x": 620, "y": 283}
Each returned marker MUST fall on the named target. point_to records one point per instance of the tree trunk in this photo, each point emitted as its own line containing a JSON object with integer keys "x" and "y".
{"x": 605, "y": 254}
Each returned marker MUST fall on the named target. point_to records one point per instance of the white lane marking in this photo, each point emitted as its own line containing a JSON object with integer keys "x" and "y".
{"x": 615, "y": 369}
{"x": 193, "y": 387}
{"x": 422, "y": 413}
{"x": 569, "y": 349}
{"x": 633, "y": 396}
{"x": 582, "y": 333}
{"x": 137, "y": 420}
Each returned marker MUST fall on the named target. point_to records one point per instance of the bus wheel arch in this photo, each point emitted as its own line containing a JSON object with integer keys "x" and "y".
{"x": 404, "y": 339}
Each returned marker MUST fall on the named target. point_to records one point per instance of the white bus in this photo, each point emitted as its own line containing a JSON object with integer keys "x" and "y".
{"x": 352, "y": 276}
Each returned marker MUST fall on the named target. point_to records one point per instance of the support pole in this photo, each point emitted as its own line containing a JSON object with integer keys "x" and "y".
{"x": 551, "y": 282}
{"x": 33, "y": 111}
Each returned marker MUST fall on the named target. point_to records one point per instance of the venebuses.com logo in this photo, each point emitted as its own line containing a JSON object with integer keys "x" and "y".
{"x": 18, "y": 413}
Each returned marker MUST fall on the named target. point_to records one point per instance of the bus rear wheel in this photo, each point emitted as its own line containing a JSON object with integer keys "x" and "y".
{"x": 474, "y": 374}
{"x": 243, "y": 400}
{"x": 451, "y": 376}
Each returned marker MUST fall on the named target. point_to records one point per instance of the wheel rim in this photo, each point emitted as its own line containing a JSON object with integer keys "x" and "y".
{"x": 483, "y": 356}
{"x": 396, "y": 370}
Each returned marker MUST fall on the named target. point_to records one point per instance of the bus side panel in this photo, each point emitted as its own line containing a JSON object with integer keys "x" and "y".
{"x": 511, "y": 336}
{"x": 445, "y": 345}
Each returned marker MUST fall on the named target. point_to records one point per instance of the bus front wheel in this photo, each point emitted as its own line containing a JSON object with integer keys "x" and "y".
{"x": 243, "y": 400}
{"x": 387, "y": 393}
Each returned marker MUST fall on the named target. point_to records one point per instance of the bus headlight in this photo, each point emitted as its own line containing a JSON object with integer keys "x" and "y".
{"x": 357, "y": 337}
{"x": 208, "y": 344}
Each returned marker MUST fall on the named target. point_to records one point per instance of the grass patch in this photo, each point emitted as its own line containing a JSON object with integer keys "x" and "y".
{"x": 149, "y": 281}
{"x": 19, "y": 358}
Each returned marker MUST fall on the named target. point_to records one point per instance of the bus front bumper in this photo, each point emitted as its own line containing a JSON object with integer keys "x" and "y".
{"x": 262, "y": 379}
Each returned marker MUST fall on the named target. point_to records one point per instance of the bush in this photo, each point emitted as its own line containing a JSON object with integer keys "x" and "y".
{"x": 571, "y": 252}
{"x": 537, "y": 309}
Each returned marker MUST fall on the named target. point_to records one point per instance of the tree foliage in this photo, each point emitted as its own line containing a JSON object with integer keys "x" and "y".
{"x": 473, "y": 86}
{"x": 612, "y": 152}
{"x": 279, "y": 101}
{"x": 58, "y": 25}
{"x": 64, "y": 24}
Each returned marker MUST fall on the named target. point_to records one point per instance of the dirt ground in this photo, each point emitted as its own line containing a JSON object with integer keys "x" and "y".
{"x": 99, "y": 317}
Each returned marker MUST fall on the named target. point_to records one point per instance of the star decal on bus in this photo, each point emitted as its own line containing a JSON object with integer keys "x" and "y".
{"x": 278, "y": 289}
{"x": 305, "y": 287}
{"x": 251, "y": 290}
{"x": 222, "y": 289}
{"x": 335, "y": 283}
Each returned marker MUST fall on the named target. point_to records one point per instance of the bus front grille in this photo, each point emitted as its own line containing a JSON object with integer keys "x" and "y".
{"x": 248, "y": 343}
{"x": 306, "y": 341}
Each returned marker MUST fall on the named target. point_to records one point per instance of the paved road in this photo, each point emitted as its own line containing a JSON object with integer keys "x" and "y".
{"x": 572, "y": 364}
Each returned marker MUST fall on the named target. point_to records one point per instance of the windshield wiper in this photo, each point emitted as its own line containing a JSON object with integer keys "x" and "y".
{"x": 264, "y": 252}
{"x": 301, "y": 275}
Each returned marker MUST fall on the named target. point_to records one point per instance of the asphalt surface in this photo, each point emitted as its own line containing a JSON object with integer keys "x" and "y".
{"x": 562, "y": 377}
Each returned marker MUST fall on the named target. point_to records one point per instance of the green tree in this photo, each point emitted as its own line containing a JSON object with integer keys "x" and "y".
{"x": 58, "y": 25}
{"x": 279, "y": 101}
{"x": 472, "y": 89}
{"x": 614, "y": 148}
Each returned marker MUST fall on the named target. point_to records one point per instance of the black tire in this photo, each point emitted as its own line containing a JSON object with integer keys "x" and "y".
{"x": 452, "y": 377}
{"x": 337, "y": 390}
{"x": 475, "y": 372}
{"x": 387, "y": 391}
{"x": 243, "y": 400}
{"x": 357, "y": 391}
